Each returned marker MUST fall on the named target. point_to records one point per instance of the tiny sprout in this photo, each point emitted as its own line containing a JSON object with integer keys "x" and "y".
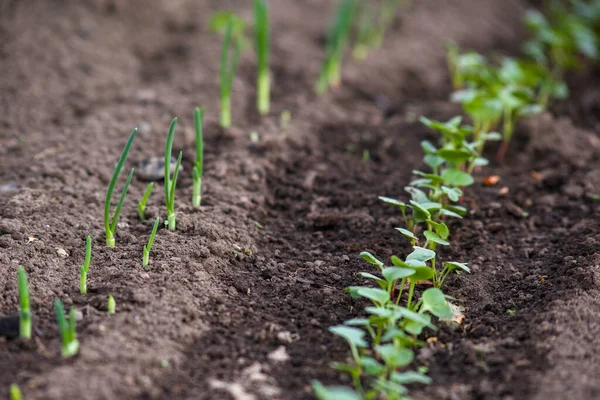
{"x": 148, "y": 247}
{"x": 227, "y": 72}
{"x": 86, "y": 265}
{"x": 366, "y": 155}
{"x": 70, "y": 344}
{"x": 112, "y": 305}
{"x": 262, "y": 36}
{"x": 110, "y": 225}
{"x": 199, "y": 164}
{"x": 170, "y": 184}
{"x": 142, "y": 203}
{"x": 284, "y": 119}
{"x": 511, "y": 312}
{"x": 24, "y": 311}
{"x": 15, "y": 392}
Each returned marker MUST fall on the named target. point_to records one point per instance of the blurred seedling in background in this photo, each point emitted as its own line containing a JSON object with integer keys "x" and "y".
{"x": 142, "y": 203}
{"x": 262, "y": 40}
{"x": 284, "y": 119}
{"x": 148, "y": 247}
{"x": 86, "y": 265}
{"x": 67, "y": 329}
{"x": 112, "y": 305}
{"x": 170, "y": 184}
{"x": 24, "y": 310}
{"x": 372, "y": 21}
{"x": 227, "y": 71}
{"x": 15, "y": 392}
{"x": 337, "y": 38}
{"x": 219, "y": 22}
{"x": 110, "y": 225}
{"x": 199, "y": 163}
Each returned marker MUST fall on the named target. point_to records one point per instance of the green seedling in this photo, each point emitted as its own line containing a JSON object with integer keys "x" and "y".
{"x": 511, "y": 312}
{"x": 337, "y": 37}
{"x": 227, "y": 73}
{"x": 24, "y": 310}
{"x": 15, "y": 392}
{"x": 170, "y": 184}
{"x": 112, "y": 305}
{"x": 86, "y": 266}
{"x": 372, "y": 23}
{"x": 110, "y": 225}
{"x": 284, "y": 119}
{"x": 148, "y": 247}
{"x": 219, "y": 22}
{"x": 262, "y": 39}
{"x": 70, "y": 344}
{"x": 199, "y": 164}
{"x": 142, "y": 203}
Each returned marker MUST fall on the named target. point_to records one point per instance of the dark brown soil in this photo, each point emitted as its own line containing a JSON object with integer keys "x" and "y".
{"x": 261, "y": 267}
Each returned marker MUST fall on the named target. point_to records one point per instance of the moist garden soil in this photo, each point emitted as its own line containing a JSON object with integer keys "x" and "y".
{"x": 237, "y": 302}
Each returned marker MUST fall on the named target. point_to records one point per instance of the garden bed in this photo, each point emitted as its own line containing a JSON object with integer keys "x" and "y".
{"x": 264, "y": 263}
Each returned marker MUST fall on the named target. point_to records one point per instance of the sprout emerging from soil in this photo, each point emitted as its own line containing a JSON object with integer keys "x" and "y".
{"x": 337, "y": 37}
{"x": 15, "y": 392}
{"x": 148, "y": 247}
{"x": 262, "y": 37}
{"x": 372, "y": 24}
{"x": 86, "y": 265}
{"x": 199, "y": 164}
{"x": 142, "y": 203}
{"x": 110, "y": 225}
{"x": 170, "y": 184}
{"x": 227, "y": 72}
{"x": 112, "y": 305}
{"x": 68, "y": 335}
{"x": 24, "y": 311}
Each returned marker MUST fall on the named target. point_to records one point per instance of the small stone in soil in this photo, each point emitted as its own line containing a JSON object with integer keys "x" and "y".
{"x": 9, "y": 327}
{"x": 153, "y": 168}
{"x": 9, "y": 187}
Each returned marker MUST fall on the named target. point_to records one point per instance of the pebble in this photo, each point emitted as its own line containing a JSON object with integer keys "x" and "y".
{"x": 279, "y": 355}
{"x": 62, "y": 252}
{"x": 153, "y": 168}
{"x": 9, "y": 187}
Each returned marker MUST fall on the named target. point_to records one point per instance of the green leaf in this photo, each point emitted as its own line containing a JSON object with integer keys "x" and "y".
{"x": 455, "y": 177}
{"x": 422, "y": 273}
{"x": 354, "y": 336}
{"x": 378, "y": 296}
{"x": 393, "y": 356}
{"x": 441, "y": 229}
{"x": 420, "y": 214}
{"x": 428, "y": 148}
{"x": 434, "y": 237}
{"x": 455, "y": 156}
{"x": 357, "y": 322}
{"x": 393, "y": 202}
{"x": 417, "y": 195}
{"x": 453, "y": 194}
{"x": 371, "y": 366}
{"x": 334, "y": 392}
{"x": 421, "y": 254}
{"x": 435, "y": 302}
{"x": 410, "y": 377}
{"x": 407, "y": 233}
{"x": 368, "y": 257}
{"x": 394, "y": 273}
{"x": 453, "y": 265}
{"x": 381, "y": 282}
{"x": 414, "y": 323}
{"x": 449, "y": 213}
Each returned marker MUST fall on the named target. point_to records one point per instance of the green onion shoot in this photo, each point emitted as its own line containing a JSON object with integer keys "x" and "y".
{"x": 199, "y": 164}
{"x": 171, "y": 183}
{"x": 24, "y": 311}
{"x": 15, "y": 392}
{"x": 337, "y": 37}
{"x": 110, "y": 225}
{"x": 261, "y": 33}
{"x": 142, "y": 203}
{"x": 227, "y": 73}
{"x": 86, "y": 265}
{"x": 70, "y": 345}
{"x": 148, "y": 247}
{"x": 112, "y": 305}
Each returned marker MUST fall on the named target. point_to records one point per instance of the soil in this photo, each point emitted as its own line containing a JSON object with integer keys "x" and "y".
{"x": 237, "y": 302}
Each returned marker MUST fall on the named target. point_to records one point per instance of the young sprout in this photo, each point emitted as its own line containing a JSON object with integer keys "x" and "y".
{"x": 70, "y": 344}
{"x": 337, "y": 38}
{"x": 110, "y": 225}
{"x": 261, "y": 33}
{"x": 142, "y": 203}
{"x": 148, "y": 247}
{"x": 199, "y": 164}
{"x": 86, "y": 265}
{"x": 284, "y": 119}
{"x": 15, "y": 392}
{"x": 111, "y": 305}
{"x": 24, "y": 311}
{"x": 218, "y": 24}
{"x": 227, "y": 73}
{"x": 171, "y": 183}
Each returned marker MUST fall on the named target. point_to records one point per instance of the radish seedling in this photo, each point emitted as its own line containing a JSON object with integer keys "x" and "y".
{"x": 227, "y": 72}
{"x": 262, "y": 37}
{"x": 112, "y": 305}
{"x": 142, "y": 203}
{"x": 86, "y": 265}
{"x": 170, "y": 184}
{"x": 148, "y": 247}
{"x": 110, "y": 225}
{"x": 199, "y": 164}
{"x": 15, "y": 392}
{"x": 70, "y": 344}
{"x": 24, "y": 310}
{"x": 337, "y": 37}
